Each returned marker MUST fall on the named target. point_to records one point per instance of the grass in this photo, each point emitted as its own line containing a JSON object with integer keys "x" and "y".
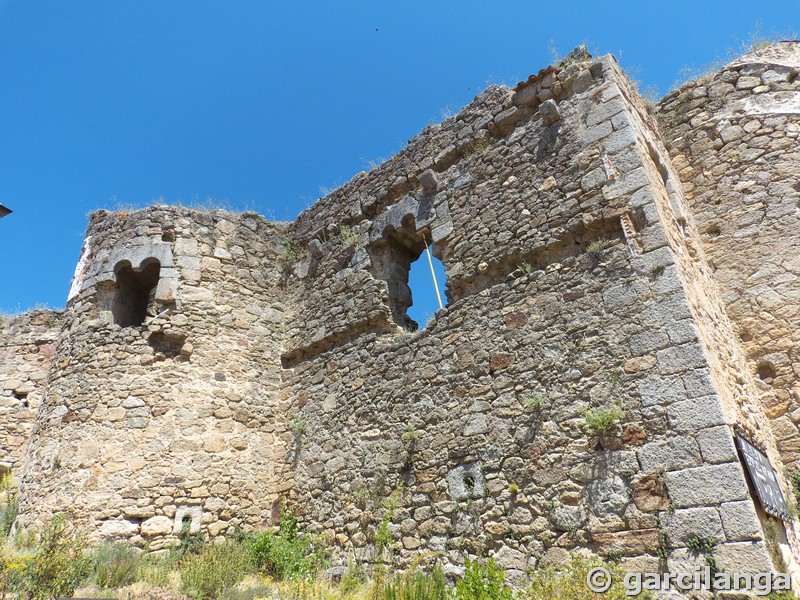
{"x": 476, "y": 147}
{"x": 410, "y": 435}
{"x": 416, "y": 585}
{"x": 200, "y": 205}
{"x": 348, "y": 237}
{"x": 290, "y": 253}
{"x": 282, "y": 563}
{"x": 297, "y": 427}
{"x": 214, "y": 569}
{"x": 603, "y": 420}
{"x": 570, "y": 582}
{"x": 575, "y": 56}
{"x": 597, "y": 246}
{"x": 9, "y": 505}
{"x": 534, "y": 402}
{"x": 756, "y": 41}
{"x": 115, "y": 565}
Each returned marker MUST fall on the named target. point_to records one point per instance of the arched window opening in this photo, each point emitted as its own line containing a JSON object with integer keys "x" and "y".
{"x": 134, "y": 292}
{"x": 392, "y": 260}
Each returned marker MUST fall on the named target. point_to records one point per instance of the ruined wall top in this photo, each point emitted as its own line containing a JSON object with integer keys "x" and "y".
{"x": 785, "y": 53}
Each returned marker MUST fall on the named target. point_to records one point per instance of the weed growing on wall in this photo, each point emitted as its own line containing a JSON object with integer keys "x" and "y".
{"x": 410, "y": 435}
{"x": 534, "y": 402}
{"x": 348, "y": 237}
{"x": 603, "y": 420}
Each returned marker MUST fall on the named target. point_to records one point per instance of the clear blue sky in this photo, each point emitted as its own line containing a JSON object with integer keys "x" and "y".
{"x": 261, "y": 104}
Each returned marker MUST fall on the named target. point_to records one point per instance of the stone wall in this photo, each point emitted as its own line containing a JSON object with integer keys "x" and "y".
{"x": 27, "y": 346}
{"x": 732, "y": 138}
{"x": 553, "y": 223}
{"x": 213, "y": 366}
{"x": 176, "y": 422}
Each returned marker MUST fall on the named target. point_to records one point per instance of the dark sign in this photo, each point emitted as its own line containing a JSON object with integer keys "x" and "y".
{"x": 762, "y": 475}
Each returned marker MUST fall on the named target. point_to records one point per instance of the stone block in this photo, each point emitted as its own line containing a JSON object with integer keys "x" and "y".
{"x": 650, "y": 492}
{"x": 157, "y": 526}
{"x": 648, "y": 341}
{"x": 717, "y": 445}
{"x": 697, "y": 413}
{"x": 428, "y": 180}
{"x": 699, "y": 383}
{"x": 583, "y": 81}
{"x": 526, "y": 96}
{"x": 740, "y": 522}
{"x": 661, "y": 389}
{"x": 599, "y": 131}
{"x": 608, "y": 495}
{"x": 550, "y": 113}
{"x": 568, "y": 518}
{"x": 604, "y": 111}
{"x": 682, "y": 525}
{"x": 557, "y": 558}
{"x": 671, "y": 454}
{"x": 619, "y": 140}
{"x": 627, "y": 543}
{"x": 708, "y": 485}
{"x": 120, "y": 529}
{"x": 679, "y": 359}
{"x": 681, "y": 332}
{"x": 627, "y": 184}
{"x": 743, "y": 557}
{"x": 466, "y": 482}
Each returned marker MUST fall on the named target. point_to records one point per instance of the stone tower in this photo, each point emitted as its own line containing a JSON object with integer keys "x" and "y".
{"x": 164, "y": 409}
{"x": 733, "y": 141}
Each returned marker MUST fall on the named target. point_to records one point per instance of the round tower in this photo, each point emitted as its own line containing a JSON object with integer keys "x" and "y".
{"x": 733, "y": 138}
{"x": 160, "y": 416}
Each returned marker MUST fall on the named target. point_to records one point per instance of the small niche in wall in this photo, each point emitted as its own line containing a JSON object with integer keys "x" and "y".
{"x": 187, "y": 520}
{"x": 766, "y": 372}
{"x": 22, "y": 397}
{"x": 168, "y": 345}
{"x": 134, "y": 293}
{"x": 466, "y": 482}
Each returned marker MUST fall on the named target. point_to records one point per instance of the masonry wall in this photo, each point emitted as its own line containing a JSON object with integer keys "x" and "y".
{"x": 732, "y": 138}
{"x": 214, "y": 366}
{"x": 175, "y": 423}
{"x": 469, "y": 437}
{"x": 737, "y": 388}
{"x": 27, "y": 346}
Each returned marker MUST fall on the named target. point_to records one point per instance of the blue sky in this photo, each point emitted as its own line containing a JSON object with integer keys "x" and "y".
{"x": 261, "y": 105}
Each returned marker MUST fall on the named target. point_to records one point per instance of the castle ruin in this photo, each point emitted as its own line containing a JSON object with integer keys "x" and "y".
{"x": 601, "y": 255}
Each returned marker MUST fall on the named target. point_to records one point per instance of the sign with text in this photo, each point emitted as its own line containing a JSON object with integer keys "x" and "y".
{"x": 764, "y": 479}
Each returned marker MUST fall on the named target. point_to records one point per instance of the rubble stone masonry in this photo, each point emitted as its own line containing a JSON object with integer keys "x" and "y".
{"x": 213, "y": 367}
